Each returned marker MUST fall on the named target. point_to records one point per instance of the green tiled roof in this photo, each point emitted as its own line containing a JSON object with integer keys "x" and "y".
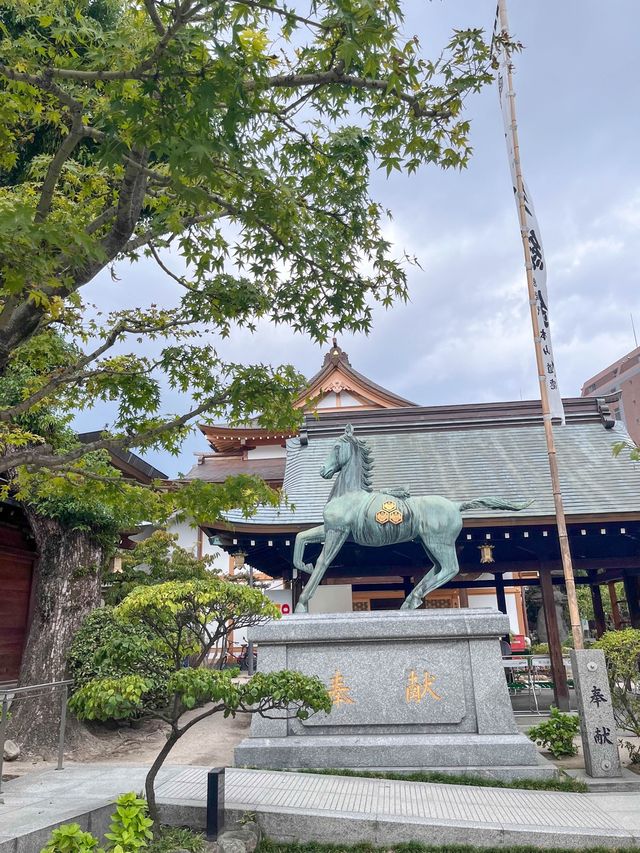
{"x": 469, "y": 462}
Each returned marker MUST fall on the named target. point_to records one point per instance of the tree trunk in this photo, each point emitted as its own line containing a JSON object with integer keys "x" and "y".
{"x": 66, "y": 587}
{"x": 149, "y": 782}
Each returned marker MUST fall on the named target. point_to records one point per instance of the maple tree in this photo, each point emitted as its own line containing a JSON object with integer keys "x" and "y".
{"x": 241, "y": 136}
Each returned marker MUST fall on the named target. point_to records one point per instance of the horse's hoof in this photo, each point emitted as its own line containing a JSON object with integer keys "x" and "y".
{"x": 309, "y": 567}
{"x": 301, "y": 608}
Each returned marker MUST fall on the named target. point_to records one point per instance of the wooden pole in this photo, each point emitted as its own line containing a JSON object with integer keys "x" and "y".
{"x": 565, "y": 551}
{"x": 632, "y": 591}
{"x": 501, "y": 598}
{"x": 559, "y": 673}
{"x": 598, "y": 609}
{"x": 615, "y": 607}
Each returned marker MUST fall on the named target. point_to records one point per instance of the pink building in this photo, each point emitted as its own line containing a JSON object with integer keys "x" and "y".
{"x": 622, "y": 378}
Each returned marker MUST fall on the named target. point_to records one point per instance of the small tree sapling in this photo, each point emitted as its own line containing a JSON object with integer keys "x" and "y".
{"x": 188, "y": 619}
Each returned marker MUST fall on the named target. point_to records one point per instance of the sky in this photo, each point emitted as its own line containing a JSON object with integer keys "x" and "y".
{"x": 465, "y": 335}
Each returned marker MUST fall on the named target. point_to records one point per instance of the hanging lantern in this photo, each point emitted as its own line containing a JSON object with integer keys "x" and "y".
{"x": 238, "y": 559}
{"x": 486, "y": 553}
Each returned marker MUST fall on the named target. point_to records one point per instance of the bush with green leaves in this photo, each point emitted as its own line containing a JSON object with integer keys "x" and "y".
{"x": 130, "y": 828}
{"x": 622, "y": 653}
{"x": 557, "y": 733}
{"x": 186, "y": 620}
{"x": 107, "y": 646}
{"x": 130, "y": 831}
{"x": 155, "y": 560}
{"x": 71, "y": 838}
{"x": 540, "y": 649}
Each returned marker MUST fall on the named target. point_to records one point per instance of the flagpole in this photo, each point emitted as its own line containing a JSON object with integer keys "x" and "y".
{"x": 565, "y": 551}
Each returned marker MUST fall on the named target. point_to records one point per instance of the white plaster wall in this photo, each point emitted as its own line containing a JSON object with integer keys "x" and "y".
{"x": 267, "y": 451}
{"x": 488, "y": 599}
{"x": 348, "y": 399}
{"x": 188, "y": 539}
{"x": 336, "y": 598}
{"x": 279, "y": 596}
{"x": 328, "y": 401}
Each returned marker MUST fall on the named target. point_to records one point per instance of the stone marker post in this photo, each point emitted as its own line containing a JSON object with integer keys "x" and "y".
{"x": 597, "y": 723}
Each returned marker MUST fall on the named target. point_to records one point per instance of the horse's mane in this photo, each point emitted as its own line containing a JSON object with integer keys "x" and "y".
{"x": 361, "y": 448}
{"x": 367, "y": 464}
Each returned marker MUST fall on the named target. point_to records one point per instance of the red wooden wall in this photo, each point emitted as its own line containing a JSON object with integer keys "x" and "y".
{"x": 17, "y": 558}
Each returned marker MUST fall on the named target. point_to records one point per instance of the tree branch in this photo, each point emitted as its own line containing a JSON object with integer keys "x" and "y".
{"x": 43, "y": 82}
{"x": 33, "y": 458}
{"x": 285, "y": 13}
{"x": 155, "y": 17}
{"x": 101, "y": 220}
{"x": 336, "y": 76}
{"x": 61, "y": 378}
{"x": 180, "y": 279}
{"x": 161, "y": 233}
{"x": 215, "y": 709}
{"x": 130, "y": 200}
{"x": 55, "y": 167}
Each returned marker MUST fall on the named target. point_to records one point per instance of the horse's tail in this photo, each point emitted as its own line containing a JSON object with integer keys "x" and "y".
{"x": 493, "y": 503}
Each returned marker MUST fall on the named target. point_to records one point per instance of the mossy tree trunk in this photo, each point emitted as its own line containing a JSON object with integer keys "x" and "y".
{"x": 66, "y": 587}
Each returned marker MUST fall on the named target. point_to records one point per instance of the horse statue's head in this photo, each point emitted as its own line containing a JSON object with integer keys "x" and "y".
{"x": 340, "y": 454}
{"x": 351, "y": 455}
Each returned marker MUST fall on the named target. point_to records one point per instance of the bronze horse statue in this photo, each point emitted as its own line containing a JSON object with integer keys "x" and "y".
{"x": 355, "y": 512}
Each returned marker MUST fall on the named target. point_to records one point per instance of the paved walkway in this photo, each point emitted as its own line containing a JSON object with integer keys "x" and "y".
{"x": 336, "y": 809}
{"x": 30, "y": 805}
{"x": 294, "y": 806}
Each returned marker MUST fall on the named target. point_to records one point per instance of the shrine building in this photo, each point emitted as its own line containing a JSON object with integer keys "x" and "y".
{"x": 458, "y": 451}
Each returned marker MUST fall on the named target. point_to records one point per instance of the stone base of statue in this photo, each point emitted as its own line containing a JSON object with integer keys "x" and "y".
{"x": 412, "y": 690}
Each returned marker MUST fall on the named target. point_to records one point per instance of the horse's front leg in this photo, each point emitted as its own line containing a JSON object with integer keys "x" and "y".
{"x": 333, "y": 541}
{"x": 304, "y": 538}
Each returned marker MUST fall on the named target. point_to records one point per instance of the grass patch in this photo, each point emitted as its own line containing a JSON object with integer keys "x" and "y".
{"x": 267, "y": 846}
{"x": 168, "y": 839}
{"x": 564, "y": 783}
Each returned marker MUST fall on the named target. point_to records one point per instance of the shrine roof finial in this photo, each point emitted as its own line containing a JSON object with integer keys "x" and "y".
{"x": 336, "y": 355}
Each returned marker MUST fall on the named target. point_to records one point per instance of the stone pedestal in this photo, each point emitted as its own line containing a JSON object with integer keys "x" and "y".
{"x": 412, "y": 690}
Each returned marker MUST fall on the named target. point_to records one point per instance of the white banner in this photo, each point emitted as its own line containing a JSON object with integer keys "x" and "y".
{"x": 538, "y": 261}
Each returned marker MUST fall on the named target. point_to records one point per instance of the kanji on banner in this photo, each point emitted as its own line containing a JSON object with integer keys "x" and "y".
{"x": 538, "y": 261}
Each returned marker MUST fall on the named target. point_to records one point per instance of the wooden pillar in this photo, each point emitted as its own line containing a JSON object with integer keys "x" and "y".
{"x": 296, "y": 589}
{"x": 596, "y": 600}
{"x": 632, "y": 590}
{"x": 559, "y": 675}
{"x": 463, "y": 597}
{"x": 615, "y": 609}
{"x": 500, "y": 596}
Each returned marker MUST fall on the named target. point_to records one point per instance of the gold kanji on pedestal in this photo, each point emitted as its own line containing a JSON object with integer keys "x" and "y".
{"x": 338, "y": 690}
{"x": 416, "y": 690}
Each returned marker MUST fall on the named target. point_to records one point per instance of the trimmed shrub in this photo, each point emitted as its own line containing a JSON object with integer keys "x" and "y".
{"x": 108, "y": 647}
{"x": 622, "y": 653}
{"x": 557, "y": 733}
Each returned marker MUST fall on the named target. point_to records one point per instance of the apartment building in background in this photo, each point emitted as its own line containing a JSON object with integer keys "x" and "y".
{"x": 622, "y": 378}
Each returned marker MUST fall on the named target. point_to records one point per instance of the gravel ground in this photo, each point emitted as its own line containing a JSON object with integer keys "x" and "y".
{"x": 210, "y": 742}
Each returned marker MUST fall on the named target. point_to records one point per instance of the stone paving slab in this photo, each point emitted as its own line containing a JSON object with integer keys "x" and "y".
{"x": 296, "y": 806}
{"x": 33, "y": 804}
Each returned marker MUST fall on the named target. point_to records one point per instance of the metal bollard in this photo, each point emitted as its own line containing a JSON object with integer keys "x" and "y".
{"x": 215, "y": 802}
{"x": 3, "y": 732}
{"x": 63, "y": 726}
